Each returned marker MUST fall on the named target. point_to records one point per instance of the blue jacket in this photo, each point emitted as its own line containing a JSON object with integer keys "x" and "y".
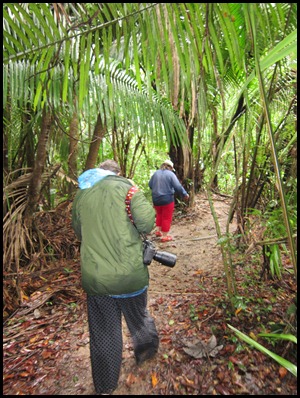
{"x": 164, "y": 184}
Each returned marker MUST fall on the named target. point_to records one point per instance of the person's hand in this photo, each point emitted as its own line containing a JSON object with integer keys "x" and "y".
{"x": 186, "y": 197}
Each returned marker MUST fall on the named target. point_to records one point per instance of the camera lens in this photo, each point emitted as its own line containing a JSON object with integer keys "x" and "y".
{"x": 165, "y": 258}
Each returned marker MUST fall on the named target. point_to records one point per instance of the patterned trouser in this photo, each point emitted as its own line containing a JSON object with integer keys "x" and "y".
{"x": 106, "y": 344}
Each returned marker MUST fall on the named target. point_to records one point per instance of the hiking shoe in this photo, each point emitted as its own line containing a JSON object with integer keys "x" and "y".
{"x": 158, "y": 233}
{"x": 166, "y": 238}
{"x": 145, "y": 356}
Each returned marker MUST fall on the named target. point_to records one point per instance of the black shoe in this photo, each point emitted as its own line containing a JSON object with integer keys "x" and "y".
{"x": 145, "y": 352}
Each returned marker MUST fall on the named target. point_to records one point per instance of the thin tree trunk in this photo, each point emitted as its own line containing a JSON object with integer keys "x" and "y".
{"x": 29, "y": 142}
{"x": 5, "y": 142}
{"x": 183, "y": 160}
{"x": 215, "y": 147}
{"x": 35, "y": 184}
{"x": 73, "y": 151}
{"x": 98, "y": 135}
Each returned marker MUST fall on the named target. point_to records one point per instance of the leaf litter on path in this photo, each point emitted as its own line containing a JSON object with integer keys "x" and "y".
{"x": 46, "y": 352}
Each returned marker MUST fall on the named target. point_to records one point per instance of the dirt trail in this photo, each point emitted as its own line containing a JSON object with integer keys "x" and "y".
{"x": 197, "y": 254}
{"x": 46, "y": 352}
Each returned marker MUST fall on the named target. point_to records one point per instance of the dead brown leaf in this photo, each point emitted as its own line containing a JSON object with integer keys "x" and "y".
{"x": 201, "y": 349}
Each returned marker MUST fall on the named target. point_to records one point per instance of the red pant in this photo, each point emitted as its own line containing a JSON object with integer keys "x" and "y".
{"x": 164, "y": 215}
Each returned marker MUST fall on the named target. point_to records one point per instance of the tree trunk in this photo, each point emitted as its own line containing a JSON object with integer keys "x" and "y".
{"x": 73, "y": 151}
{"x": 5, "y": 152}
{"x": 35, "y": 183}
{"x": 218, "y": 143}
{"x": 98, "y": 135}
{"x": 29, "y": 140}
{"x": 183, "y": 163}
{"x": 214, "y": 147}
{"x": 199, "y": 168}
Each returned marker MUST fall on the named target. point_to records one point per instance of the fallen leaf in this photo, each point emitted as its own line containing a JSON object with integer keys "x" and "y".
{"x": 130, "y": 379}
{"x": 25, "y": 324}
{"x": 24, "y": 296}
{"x": 222, "y": 390}
{"x": 282, "y": 372}
{"x": 235, "y": 360}
{"x": 154, "y": 379}
{"x": 24, "y": 374}
{"x": 188, "y": 380}
{"x": 37, "y": 313}
{"x": 47, "y": 354}
{"x": 238, "y": 311}
{"x": 202, "y": 349}
{"x": 199, "y": 272}
{"x": 8, "y": 376}
{"x": 25, "y": 350}
{"x": 166, "y": 340}
{"x": 34, "y": 338}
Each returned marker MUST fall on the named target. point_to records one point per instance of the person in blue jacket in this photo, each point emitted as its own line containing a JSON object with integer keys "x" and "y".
{"x": 163, "y": 185}
{"x": 112, "y": 269}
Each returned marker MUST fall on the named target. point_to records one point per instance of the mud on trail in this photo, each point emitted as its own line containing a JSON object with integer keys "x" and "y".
{"x": 185, "y": 303}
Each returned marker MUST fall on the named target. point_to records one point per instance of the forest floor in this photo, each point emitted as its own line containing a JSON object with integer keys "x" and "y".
{"x": 46, "y": 342}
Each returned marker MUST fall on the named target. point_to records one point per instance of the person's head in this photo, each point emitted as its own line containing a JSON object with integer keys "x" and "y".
{"x": 167, "y": 165}
{"x": 110, "y": 165}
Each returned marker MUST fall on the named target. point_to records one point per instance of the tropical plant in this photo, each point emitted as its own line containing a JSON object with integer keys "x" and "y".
{"x": 283, "y": 362}
{"x": 213, "y": 82}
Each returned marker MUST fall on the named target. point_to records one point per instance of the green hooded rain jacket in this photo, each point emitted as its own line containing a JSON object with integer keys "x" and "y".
{"x": 111, "y": 248}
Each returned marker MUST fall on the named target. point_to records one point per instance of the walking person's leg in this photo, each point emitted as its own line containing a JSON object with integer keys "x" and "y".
{"x": 158, "y": 220}
{"x": 166, "y": 221}
{"x": 106, "y": 344}
{"x": 141, "y": 326}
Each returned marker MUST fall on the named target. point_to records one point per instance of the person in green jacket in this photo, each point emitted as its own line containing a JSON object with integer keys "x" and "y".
{"x": 113, "y": 273}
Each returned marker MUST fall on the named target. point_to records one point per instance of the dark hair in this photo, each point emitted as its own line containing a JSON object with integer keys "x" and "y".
{"x": 110, "y": 165}
{"x": 165, "y": 167}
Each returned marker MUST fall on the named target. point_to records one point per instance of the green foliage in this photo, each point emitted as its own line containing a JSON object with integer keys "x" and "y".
{"x": 68, "y": 271}
{"x": 147, "y": 166}
{"x": 280, "y": 336}
{"x": 152, "y": 71}
{"x": 274, "y": 228}
{"x": 283, "y": 362}
{"x": 273, "y": 220}
{"x": 275, "y": 261}
{"x": 193, "y": 315}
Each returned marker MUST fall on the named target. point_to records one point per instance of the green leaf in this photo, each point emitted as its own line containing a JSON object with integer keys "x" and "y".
{"x": 17, "y": 29}
{"x": 28, "y": 25}
{"x": 82, "y": 77}
{"x": 283, "y": 362}
{"x": 286, "y": 47}
{"x": 66, "y": 71}
{"x": 276, "y": 336}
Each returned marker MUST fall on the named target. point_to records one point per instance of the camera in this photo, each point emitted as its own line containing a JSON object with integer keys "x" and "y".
{"x": 151, "y": 253}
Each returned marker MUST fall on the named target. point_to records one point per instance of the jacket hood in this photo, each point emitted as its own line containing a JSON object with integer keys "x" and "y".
{"x": 90, "y": 177}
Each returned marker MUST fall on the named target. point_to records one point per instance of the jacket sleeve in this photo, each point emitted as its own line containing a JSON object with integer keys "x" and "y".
{"x": 178, "y": 187}
{"x": 76, "y": 218}
{"x": 142, "y": 212}
{"x": 150, "y": 182}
